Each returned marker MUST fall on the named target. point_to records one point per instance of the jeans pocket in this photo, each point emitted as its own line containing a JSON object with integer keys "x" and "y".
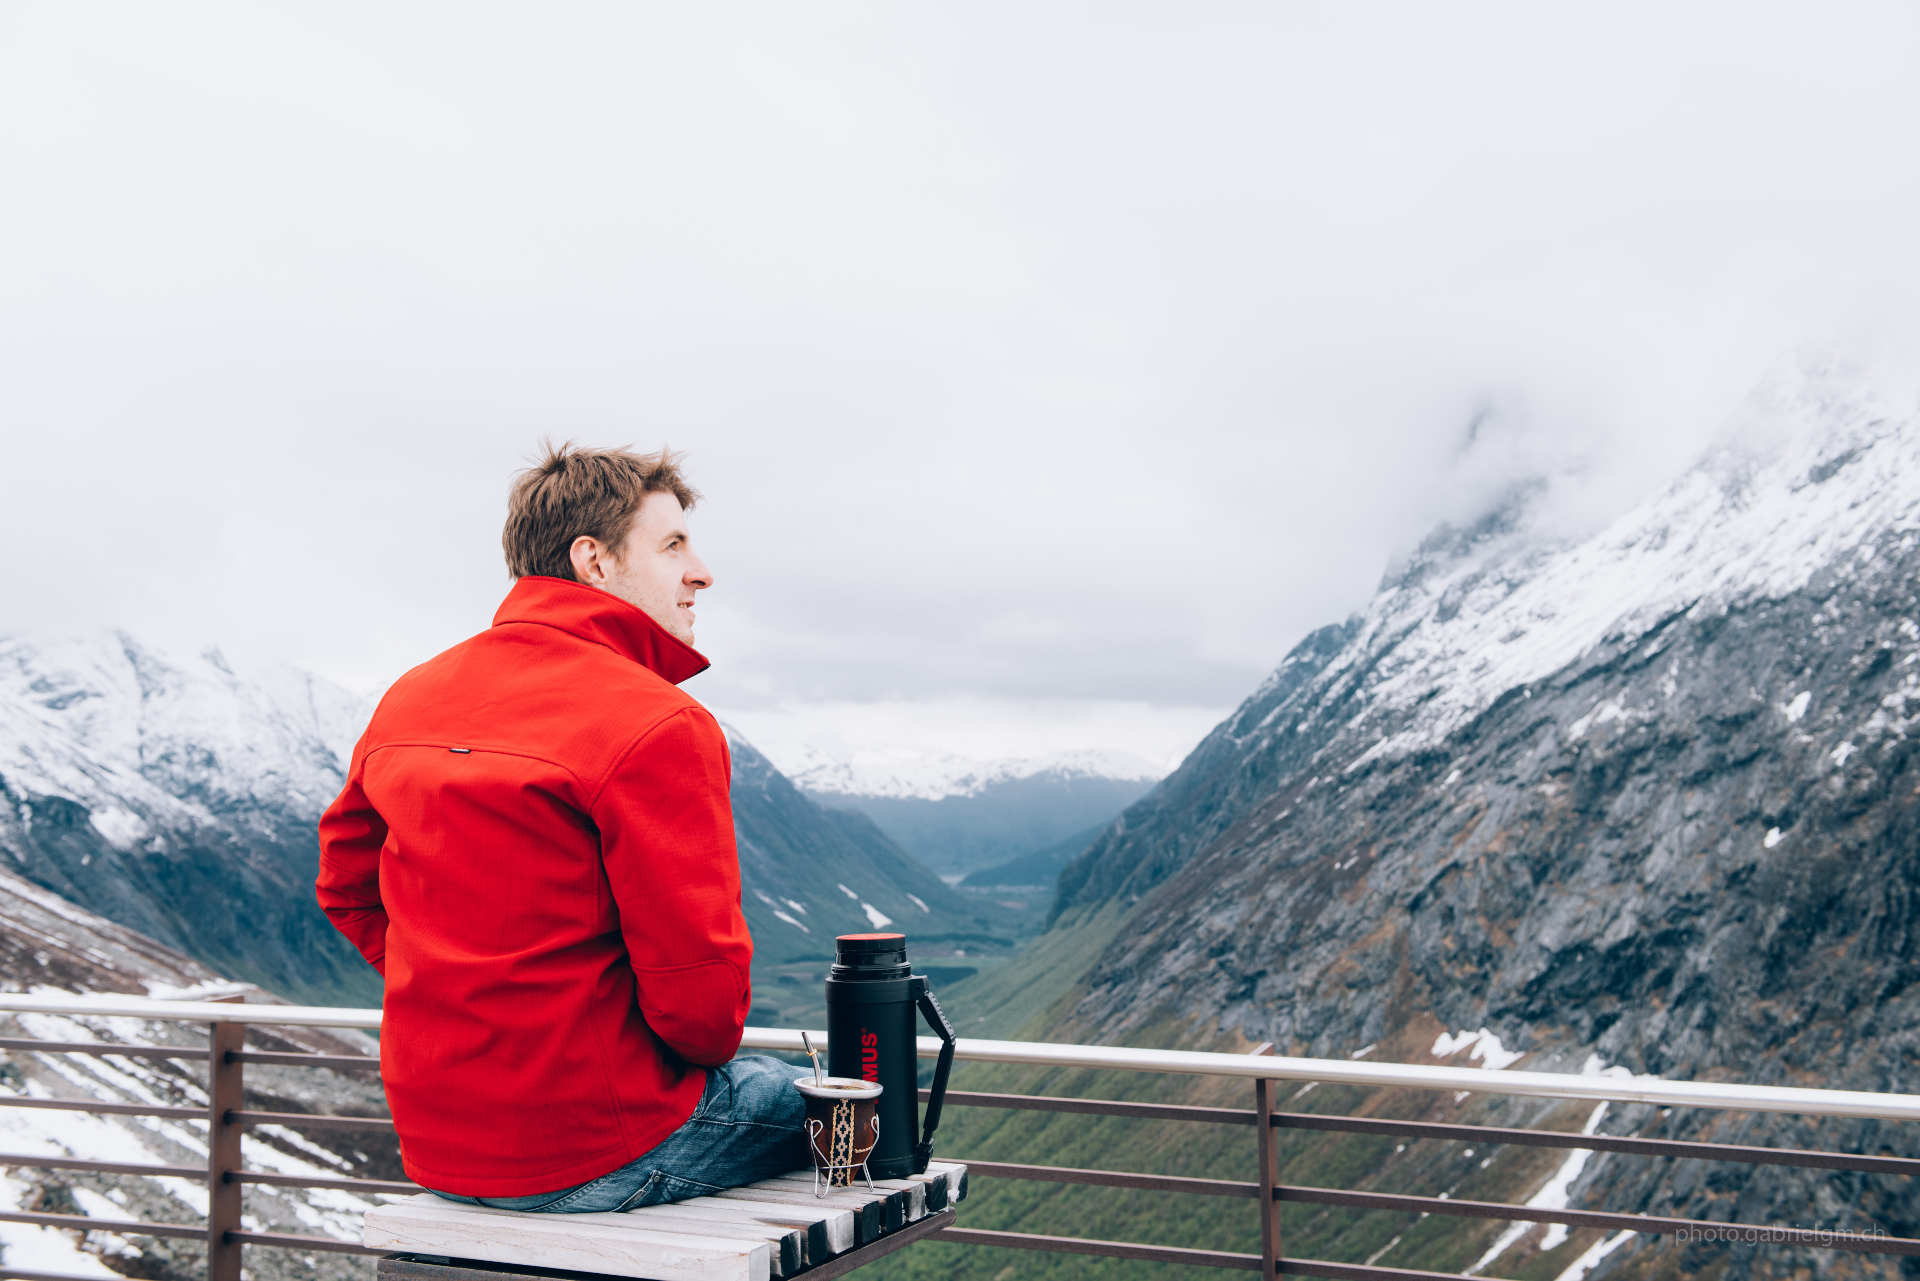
{"x": 662, "y": 1188}
{"x": 579, "y": 1199}
{"x": 641, "y": 1196}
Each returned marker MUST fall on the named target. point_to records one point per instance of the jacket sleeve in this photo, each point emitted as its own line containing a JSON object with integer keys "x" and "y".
{"x": 351, "y": 834}
{"x": 666, "y": 833}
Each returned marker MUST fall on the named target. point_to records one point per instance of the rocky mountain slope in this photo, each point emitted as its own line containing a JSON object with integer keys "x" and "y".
{"x": 1646, "y": 800}
{"x": 49, "y": 945}
{"x": 960, "y": 815}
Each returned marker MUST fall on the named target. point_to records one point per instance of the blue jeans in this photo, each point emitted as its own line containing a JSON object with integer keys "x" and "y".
{"x": 746, "y": 1128}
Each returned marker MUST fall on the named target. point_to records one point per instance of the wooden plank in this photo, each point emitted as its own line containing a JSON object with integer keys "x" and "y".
{"x": 610, "y": 1244}
{"x": 944, "y": 1186}
{"x": 789, "y": 1244}
{"x": 869, "y": 1217}
{"x": 829, "y": 1231}
{"x": 399, "y": 1267}
{"x": 912, "y": 1208}
{"x": 884, "y": 1208}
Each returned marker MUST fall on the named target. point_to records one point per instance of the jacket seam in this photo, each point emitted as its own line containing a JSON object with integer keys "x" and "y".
{"x": 568, "y": 770}
{"x": 633, "y": 745}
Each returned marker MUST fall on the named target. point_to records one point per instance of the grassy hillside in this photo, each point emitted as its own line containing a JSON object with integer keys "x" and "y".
{"x": 1026, "y": 1000}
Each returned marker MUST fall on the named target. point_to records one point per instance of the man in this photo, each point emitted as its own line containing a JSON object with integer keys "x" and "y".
{"x": 535, "y": 849}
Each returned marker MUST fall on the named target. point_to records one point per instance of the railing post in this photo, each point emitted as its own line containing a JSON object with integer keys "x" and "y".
{"x": 225, "y": 1083}
{"x": 1269, "y": 1173}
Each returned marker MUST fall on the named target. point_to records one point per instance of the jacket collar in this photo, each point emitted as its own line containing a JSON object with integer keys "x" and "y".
{"x": 604, "y": 619}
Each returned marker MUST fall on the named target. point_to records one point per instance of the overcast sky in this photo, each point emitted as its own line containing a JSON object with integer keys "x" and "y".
{"x": 1050, "y": 369}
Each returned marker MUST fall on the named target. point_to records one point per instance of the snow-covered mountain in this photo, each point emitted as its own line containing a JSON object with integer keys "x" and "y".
{"x": 177, "y": 794}
{"x": 1646, "y": 798}
{"x": 913, "y": 775}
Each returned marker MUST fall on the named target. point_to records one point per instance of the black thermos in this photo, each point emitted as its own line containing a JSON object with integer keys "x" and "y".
{"x": 871, "y": 996}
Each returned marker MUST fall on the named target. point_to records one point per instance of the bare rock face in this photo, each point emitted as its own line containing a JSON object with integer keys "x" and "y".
{"x": 1647, "y": 799}
{"x": 48, "y": 944}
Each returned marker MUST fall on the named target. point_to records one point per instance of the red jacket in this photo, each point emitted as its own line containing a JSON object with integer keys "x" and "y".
{"x": 535, "y": 848}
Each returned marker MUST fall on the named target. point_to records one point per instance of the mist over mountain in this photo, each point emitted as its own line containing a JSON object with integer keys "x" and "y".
{"x": 1644, "y": 799}
{"x": 959, "y": 815}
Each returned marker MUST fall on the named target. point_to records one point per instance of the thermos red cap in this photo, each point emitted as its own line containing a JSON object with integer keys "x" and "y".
{"x": 870, "y": 956}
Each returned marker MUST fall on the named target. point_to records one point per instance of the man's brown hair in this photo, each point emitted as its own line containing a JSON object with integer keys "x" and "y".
{"x": 574, "y": 492}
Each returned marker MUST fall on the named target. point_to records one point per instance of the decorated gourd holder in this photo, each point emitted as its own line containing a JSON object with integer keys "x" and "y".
{"x": 842, "y": 1125}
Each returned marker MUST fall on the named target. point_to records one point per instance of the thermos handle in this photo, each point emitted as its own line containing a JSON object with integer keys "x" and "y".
{"x": 937, "y": 1020}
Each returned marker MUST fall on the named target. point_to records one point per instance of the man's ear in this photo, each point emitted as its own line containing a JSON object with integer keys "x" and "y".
{"x": 589, "y": 561}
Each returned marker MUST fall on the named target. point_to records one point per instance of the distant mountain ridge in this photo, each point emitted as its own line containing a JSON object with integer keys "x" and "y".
{"x": 908, "y": 775}
{"x": 1001, "y": 821}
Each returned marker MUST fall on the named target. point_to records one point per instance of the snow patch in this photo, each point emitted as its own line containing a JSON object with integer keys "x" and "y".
{"x": 1485, "y": 1045}
{"x": 1796, "y": 707}
{"x": 1772, "y": 838}
{"x": 122, "y": 828}
{"x": 1591, "y": 1259}
{"x": 880, "y": 919}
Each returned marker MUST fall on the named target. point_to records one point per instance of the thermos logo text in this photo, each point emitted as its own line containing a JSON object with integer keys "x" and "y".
{"x": 869, "y": 1055}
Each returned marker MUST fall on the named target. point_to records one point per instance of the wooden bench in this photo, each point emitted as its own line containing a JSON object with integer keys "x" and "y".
{"x": 776, "y": 1228}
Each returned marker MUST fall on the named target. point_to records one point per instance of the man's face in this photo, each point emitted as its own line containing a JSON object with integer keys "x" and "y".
{"x": 656, "y": 569}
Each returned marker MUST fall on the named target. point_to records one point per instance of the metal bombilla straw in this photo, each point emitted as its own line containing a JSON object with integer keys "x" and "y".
{"x": 814, "y": 1055}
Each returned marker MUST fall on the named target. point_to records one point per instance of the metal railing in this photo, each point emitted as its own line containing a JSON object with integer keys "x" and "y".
{"x": 226, "y": 1118}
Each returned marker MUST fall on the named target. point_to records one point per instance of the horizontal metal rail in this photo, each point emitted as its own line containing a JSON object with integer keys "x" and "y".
{"x": 335, "y": 1061}
{"x": 138, "y": 1007}
{"x": 21, "y": 1160}
{"x": 1108, "y": 1249}
{"x": 1192, "y": 1258}
{"x": 314, "y": 1120}
{"x": 1457, "y": 1133}
{"x": 1274, "y": 1067}
{"x": 125, "y": 1227}
{"x": 286, "y": 1241}
{"x": 108, "y": 1109}
{"x": 304, "y": 1181}
{"x": 1647, "y": 1225}
{"x": 103, "y": 1048}
{"x": 1111, "y": 1179}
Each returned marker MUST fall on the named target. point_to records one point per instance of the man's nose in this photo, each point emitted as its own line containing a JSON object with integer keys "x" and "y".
{"x": 698, "y": 576}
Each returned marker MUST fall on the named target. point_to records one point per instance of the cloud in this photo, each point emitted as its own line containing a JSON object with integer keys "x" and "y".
{"x": 1085, "y": 353}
